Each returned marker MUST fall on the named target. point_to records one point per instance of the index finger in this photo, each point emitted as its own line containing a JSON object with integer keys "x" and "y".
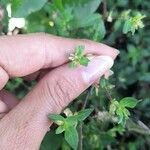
{"x": 21, "y": 55}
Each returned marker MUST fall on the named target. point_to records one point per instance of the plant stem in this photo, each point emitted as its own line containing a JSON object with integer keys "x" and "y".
{"x": 104, "y": 9}
{"x": 81, "y": 123}
{"x": 80, "y": 137}
{"x": 108, "y": 94}
{"x": 87, "y": 97}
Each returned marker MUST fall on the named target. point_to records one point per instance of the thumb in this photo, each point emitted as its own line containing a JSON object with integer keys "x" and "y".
{"x": 56, "y": 90}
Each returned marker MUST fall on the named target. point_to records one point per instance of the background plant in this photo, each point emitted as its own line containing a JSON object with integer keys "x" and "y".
{"x": 112, "y": 22}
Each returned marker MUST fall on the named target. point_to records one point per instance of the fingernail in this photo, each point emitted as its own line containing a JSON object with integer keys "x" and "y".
{"x": 96, "y": 68}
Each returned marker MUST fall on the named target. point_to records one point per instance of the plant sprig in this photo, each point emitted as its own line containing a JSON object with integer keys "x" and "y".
{"x": 68, "y": 125}
{"x": 78, "y": 57}
{"x": 133, "y": 23}
{"x": 118, "y": 108}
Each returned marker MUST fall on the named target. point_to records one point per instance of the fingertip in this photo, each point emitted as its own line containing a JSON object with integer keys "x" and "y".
{"x": 92, "y": 47}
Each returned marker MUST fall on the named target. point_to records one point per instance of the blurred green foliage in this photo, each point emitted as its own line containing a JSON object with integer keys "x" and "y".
{"x": 102, "y": 21}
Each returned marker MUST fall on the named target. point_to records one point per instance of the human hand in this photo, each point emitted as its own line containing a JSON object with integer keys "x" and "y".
{"x": 23, "y": 124}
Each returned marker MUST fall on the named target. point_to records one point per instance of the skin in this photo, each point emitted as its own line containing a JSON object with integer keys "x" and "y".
{"x": 23, "y": 124}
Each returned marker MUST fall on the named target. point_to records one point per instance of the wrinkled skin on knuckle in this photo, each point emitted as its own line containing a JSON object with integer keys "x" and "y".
{"x": 16, "y": 135}
{"x": 89, "y": 42}
{"x": 86, "y": 41}
{"x": 22, "y": 60}
{"x": 61, "y": 91}
{"x": 89, "y": 45}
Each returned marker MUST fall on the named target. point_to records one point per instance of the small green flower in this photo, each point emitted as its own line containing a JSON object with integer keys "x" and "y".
{"x": 133, "y": 23}
{"x": 78, "y": 57}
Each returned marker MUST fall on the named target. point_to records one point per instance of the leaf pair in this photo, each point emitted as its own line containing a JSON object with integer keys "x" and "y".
{"x": 68, "y": 125}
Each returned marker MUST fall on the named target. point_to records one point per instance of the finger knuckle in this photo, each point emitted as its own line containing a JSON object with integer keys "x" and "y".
{"x": 60, "y": 91}
{"x": 86, "y": 41}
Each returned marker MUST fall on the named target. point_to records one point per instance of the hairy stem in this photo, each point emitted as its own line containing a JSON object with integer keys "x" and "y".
{"x": 81, "y": 124}
{"x": 108, "y": 93}
{"x": 104, "y": 9}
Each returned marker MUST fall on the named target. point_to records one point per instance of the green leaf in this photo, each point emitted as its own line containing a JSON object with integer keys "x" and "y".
{"x": 101, "y": 30}
{"x": 145, "y": 78}
{"x": 79, "y": 50}
{"x": 60, "y": 129}
{"x": 22, "y": 8}
{"x": 85, "y": 9}
{"x": 87, "y": 21}
{"x": 92, "y": 6}
{"x": 113, "y": 106}
{"x": 120, "y": 114}
{"x": 4, "y": 2}
{"x": 129, "y": 102}
{"x": 83, "y": 114}
{"x": 58, "y": 4}
{"x": 119, "y": 128}
{"x": 84, "y": 61}
{"x": 71, "y": 121}
{"x": 51, "y": 141}
{"x": 80, "y": 116}
{"x": 103, "y": 82}
{"x": 56, "y": 117}
{"x": 126, "y": 113}
{"x": 127, "y": 26}
{"x": 71, "y": 136}
{"x": 123, "y": 114}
